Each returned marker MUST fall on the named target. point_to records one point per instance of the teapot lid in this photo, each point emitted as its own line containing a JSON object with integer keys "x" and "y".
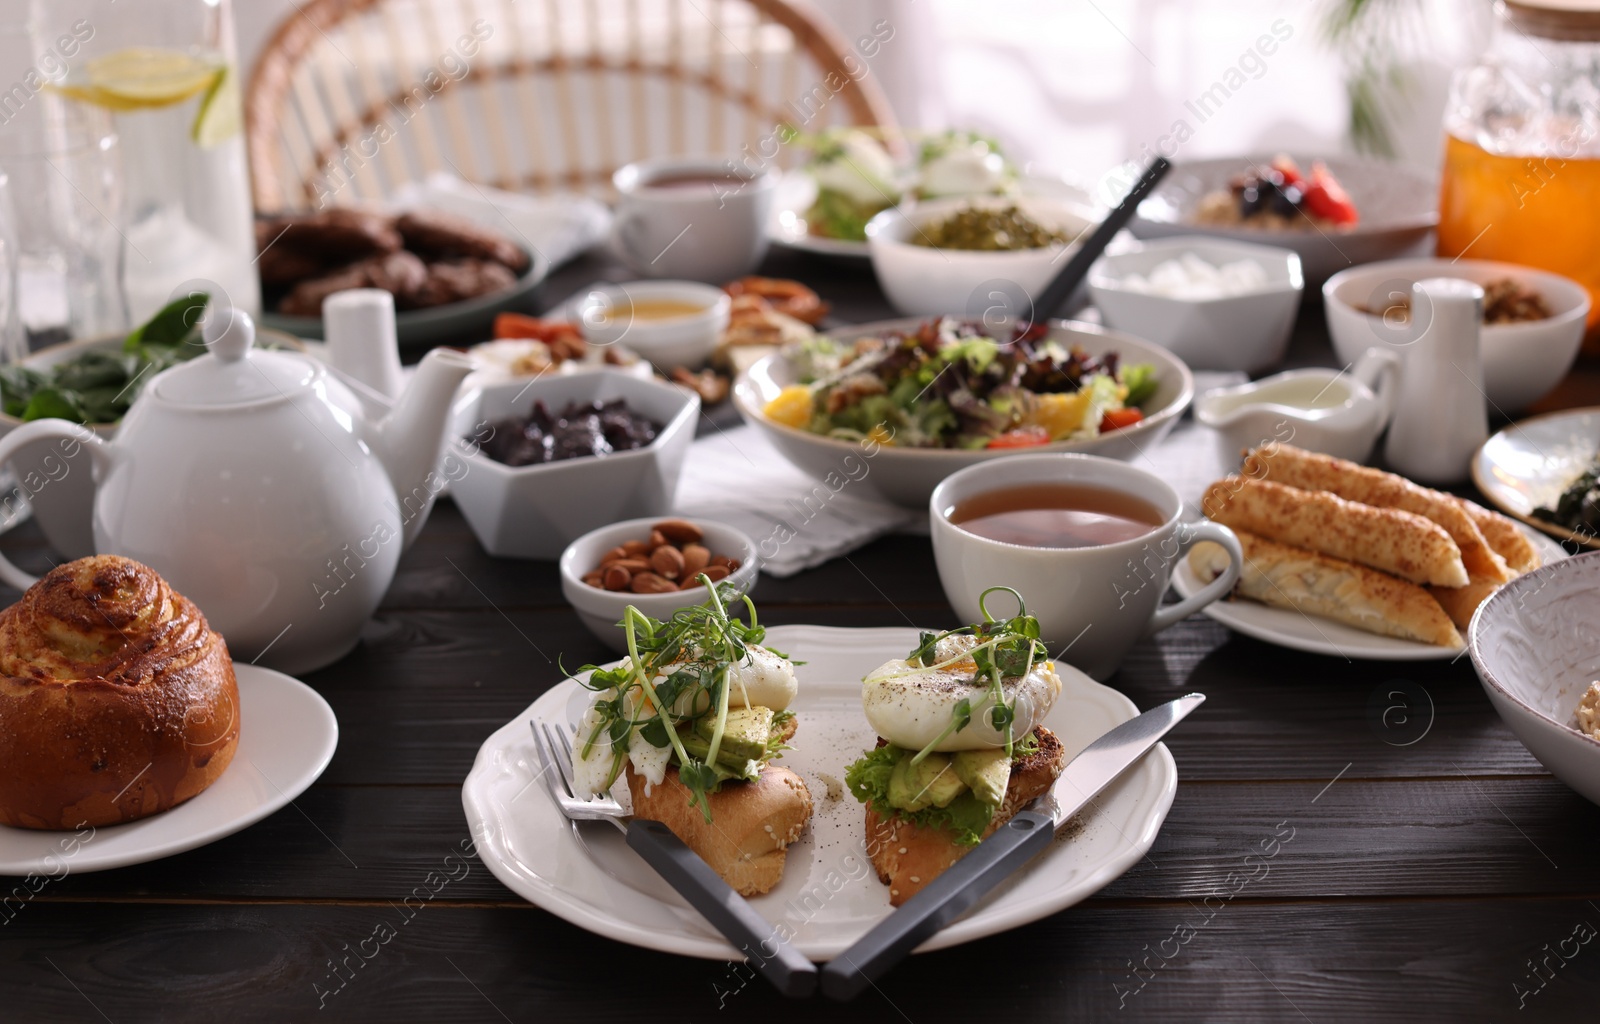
{"x": 234, "y": 372}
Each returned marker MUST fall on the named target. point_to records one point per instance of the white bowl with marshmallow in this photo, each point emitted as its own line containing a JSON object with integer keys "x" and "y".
{"x": 1215, "y": 304}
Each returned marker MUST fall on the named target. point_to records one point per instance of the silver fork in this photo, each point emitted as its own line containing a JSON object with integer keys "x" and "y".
{"x": 751, "y": 934}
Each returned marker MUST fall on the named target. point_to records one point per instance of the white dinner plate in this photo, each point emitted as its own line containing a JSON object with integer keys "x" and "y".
{"x": 1528, "y": 464}
{"x": 1301, "y": 632}
{"x": 287, "y": 735}
{"x": 830, "y": 895}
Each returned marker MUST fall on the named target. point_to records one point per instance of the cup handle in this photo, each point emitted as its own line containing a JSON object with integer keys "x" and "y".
{"x": 43, "y": 430}
{"x": 1190, "y": 535}
{"x": 1379, "y": 370}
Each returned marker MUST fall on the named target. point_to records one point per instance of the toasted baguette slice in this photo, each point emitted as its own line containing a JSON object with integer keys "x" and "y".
{"x": 1309, "y": 471}
{"x": 752, "y": 823}
{"x": 1404, "y": 544}
{"x": 1289, "y": 577}
{"x": 908, "y": 856}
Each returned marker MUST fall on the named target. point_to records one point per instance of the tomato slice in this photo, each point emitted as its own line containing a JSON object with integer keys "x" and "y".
{"x": 1290, "y": 170}
{"x": 1023, "y": 437}
{"x": 1326, "y": 198}
{"x": 1116, "y": 419}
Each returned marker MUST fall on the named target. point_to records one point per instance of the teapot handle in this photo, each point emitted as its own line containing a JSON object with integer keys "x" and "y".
{"x": 1379, "y": 370}
{"x": 72, "y": 436}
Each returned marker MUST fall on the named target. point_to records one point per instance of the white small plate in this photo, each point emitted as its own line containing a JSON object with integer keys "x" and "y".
{"x": 1301, "y": 632}
{"x": 1528, "y": 464}
{"x": 287, "y": 735}
{"x": 829, "y": 895}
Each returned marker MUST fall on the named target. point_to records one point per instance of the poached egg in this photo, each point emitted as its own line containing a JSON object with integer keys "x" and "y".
{"x": 910, "y": 705}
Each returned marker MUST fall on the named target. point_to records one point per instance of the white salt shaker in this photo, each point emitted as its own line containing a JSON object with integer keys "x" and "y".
{"x": 362, "y": 343}
{"x": 1441, "y": 418}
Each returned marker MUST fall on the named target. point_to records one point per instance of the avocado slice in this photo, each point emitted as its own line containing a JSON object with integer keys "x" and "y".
{"x": 987, "y": 772}
{"x": 745, "y": 736}
{"x": 727, "y": 761}
{"x": 930, "y": 784}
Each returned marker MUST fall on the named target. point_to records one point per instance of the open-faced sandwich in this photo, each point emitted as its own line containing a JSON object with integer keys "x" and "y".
{"x": 962, "y": 746}
{"x": 704, "y": 766}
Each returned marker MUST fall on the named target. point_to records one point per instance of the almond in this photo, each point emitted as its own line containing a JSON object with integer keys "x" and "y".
{"x": 634, "y": 565}
{"x": 733, "y": 565}
{"x": 617, "y": 578}
{"x": 721, "y": 560}
{"x": 695, "y": 558}
{"x": 657, "y": 540}
{"x": 715, "y": 572}
{"x": 650, "y": 583}
{"x": 635, "y": 548}
{"x": 667, "y": 561}
{"x": 679, "y": 531}
{"x": 595, "y": 579}
{"x": 614, "y": 555}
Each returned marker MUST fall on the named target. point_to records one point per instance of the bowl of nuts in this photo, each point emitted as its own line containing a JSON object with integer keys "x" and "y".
{"x": 654, "y": 565}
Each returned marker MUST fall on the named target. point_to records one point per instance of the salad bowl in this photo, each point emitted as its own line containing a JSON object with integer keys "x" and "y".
{"x": 906, "y": 476}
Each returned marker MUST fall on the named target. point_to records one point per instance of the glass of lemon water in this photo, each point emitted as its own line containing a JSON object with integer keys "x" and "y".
{"x": 165, "y": 74}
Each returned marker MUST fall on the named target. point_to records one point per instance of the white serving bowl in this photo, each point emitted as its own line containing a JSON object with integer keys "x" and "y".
{"x": 678, "y": 341}
{"x": 923, "y": 281}
{"x": 535, "y": 511}
{"x": 601, "y": 610}
{"x": 1521, "y": 361}
{"x": 1536, "y": 646}
{"x": 907, "y": 476}
{"x": 1248, "y": 332}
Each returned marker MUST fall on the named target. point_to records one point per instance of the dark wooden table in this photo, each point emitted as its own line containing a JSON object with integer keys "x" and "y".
{"x": 1428, "y": 867}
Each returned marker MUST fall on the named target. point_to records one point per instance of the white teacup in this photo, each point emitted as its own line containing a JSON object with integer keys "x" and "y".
{"x": 1093, "y": 603}
{"x": 700, "y": 218}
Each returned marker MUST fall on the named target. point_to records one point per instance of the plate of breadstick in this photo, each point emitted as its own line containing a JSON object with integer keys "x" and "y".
{"x": 1343, "y": 559}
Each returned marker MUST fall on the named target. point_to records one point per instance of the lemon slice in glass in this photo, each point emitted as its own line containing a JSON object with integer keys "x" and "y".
{"x": 218, "y": 119}
{"x": 142, "y": 78}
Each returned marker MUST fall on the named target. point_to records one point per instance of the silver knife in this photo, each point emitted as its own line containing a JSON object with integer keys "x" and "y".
{"x": 997, "y": 857}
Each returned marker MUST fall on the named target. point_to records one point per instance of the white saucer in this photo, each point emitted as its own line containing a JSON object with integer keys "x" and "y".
{"x": 829, "y": 894}
{"x": 287, "y": 735}
{"x": 1301, "y": 632}
{"x": 1529, "y": 464}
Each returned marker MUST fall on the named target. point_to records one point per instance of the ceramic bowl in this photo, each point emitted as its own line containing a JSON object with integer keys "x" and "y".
{"x": 906, "y": 476}
{"x": 923, "y": 281}
{"x": 601, "y": 610}
{"x": 1521, "y": 361}
{"x": 536, "y": 511}
{"x": 677, "y": 341}
{"x": 1248, "y": 332}
{"x": 1399, "y": 208}
{"x": 1536, "y": 646}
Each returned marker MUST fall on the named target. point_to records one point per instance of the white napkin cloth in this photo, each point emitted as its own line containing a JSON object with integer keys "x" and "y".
{"x": 736, "y": 476}
{"x": 558, "y": 227}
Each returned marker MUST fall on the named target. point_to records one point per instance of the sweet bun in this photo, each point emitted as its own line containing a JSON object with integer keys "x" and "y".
{"x": 751, "y": 827}
{"x": 117, "y": 701}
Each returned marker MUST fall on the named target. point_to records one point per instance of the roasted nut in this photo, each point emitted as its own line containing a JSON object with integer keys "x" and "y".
{"x": 650, "y": 583}
{"x": 695, "y": 558}
{"x": 733, "y": 565}
{"x": 721, "y": 560}
{"x": 715, "y": 572}
{"x": 595, "y": 579}
{"x": 667, "y": 561}
{"x": 635, "y": 548}
{"x": 679, "y": 531}
{"x": 657, "y": 539}
{"x": 617, "y": 578}
{"x": 634, "y": 565}
{"x": 615, "y": 554}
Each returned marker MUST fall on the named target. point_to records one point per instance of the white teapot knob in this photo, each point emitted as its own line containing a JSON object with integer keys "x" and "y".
{"x": 229, "y": 334}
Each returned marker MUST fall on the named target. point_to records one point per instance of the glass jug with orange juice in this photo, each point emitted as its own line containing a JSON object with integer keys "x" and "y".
{"x": 1521, "y": 176}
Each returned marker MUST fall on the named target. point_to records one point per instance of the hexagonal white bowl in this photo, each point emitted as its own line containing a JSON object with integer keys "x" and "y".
{"x": 1248, "y": 332}
{"x": 536, "y": 511}
{"x": 1536, "y": 646}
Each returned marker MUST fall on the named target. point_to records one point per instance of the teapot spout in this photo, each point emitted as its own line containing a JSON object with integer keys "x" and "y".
{"x": 410, "y": 440}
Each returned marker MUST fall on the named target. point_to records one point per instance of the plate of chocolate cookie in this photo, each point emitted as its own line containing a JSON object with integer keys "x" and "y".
{"x": 449, "y": 276}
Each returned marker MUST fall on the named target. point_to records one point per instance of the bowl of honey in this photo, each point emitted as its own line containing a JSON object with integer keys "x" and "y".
{"x": 669, "y": 323}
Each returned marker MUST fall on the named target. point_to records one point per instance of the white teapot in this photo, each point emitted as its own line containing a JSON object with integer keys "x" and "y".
{"x": 251, "y": 481}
